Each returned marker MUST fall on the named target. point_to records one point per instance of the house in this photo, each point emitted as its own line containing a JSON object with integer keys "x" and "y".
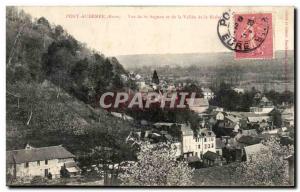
{"x": 231, "y": 121}
{"x": 70, "y": 169}
{"x": 264, "y": 106}
{"x": 122, "y": 116}
{"x": 44, "y": 161}
{"x": 219, "y": 109}
{"x": 247, "y": 132}
{"x": 207, "y": 93}
{"x": 246, "y": 140}
{"x": 251, "y": 118}
{"x": 238, "y": 90}
{"x": 247, "y": 137}
{"x": 177, "y": 147}
{"x": 233, "y": 150}
{"x": 198, "y": 105}
{"x": 211, "y": 159}
{"x": 262, "y": 109}
{"x": 194, "y": 161}
{"x": 163, "y": 125}
{"x": 219, "y": 146}
{"x": 287, "y": 116}
{"x": 197, "y": 144}
{"x": 258, "y": 119}
{"x": 220, "y": 129}
{"x": 220, "y": 116}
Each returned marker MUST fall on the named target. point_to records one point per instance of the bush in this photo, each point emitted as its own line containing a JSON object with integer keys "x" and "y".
{"x": 38, "y": 180}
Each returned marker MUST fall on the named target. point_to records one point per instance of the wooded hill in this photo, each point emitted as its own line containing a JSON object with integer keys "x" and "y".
{"x": 52, "y": 82}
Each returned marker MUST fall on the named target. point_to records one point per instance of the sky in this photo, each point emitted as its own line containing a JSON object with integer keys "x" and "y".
{"x": 157, "y": 30}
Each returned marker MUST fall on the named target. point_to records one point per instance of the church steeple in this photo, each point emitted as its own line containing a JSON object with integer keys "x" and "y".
{"x": 155, "y": 78}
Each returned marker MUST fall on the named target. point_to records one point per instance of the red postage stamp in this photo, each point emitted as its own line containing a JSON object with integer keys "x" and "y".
{"x": 249, "y": 35}
{"x": 254, "y": 32}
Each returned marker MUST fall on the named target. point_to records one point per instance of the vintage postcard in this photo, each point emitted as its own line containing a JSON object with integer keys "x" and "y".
{"x": 150, "y": 96}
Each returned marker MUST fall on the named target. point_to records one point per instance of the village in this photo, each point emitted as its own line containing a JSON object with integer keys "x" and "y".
{"x": 220, "y": 137}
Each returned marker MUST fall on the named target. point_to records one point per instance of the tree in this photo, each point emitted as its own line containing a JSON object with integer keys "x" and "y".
{"x": 194, "y": 88}
{"x": 43, "y": 21}
{"x": 276, "y": 117}
{"x": 157, "y": 166}
{"x": 155, "y": 78}
{"x": 266, "y": 168}
{"x": 227, "y": 98}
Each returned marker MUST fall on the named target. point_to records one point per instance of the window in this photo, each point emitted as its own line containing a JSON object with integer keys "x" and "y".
{"x": 38, "y": 163}
{"x": 204, "y": 139}
{"x": 199, "y": 146}
{"x": 208, "y": 145}
{"x": 196, "y": 154}
{"x": 212, "y": 145}
{"x": 46, "y": 162}
{"x": 26, "y": 165}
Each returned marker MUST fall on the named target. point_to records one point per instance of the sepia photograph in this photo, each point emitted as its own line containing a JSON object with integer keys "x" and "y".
{"x": 150, "y": 96}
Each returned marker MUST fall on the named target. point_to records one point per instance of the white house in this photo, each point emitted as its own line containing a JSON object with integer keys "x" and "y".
{"x": 44, "y": 161}
{"x": 238, "y": 90}
{"x": 258, "y": 119}
{"x": 197, "y": 145}
{"x": 220, "y": 116}
{"x": 288, "y": 116}
{"x": 264, "y": 107}
{"x": 207, "y": 93}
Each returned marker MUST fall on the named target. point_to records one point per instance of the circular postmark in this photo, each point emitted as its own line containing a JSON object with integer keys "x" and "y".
{"x": 242, "y": 32}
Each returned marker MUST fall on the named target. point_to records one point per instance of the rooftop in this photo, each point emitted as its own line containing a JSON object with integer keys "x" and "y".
{"x": 37, "y": 154}
{"x": 248, "y": 140}
{"x": 219, "y": 143}
{"x": 210, "y": 155}
{"x": 206, "y": 89}
{"x": 197, "y": 102}
{"x": 232, "y": 118}
{"x": 206, "y": 132}
{"x": 254, "y": 149}
{"x": 186, "y": 130}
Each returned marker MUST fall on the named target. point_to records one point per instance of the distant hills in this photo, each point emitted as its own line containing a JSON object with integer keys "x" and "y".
{"x": 190, "y": 59}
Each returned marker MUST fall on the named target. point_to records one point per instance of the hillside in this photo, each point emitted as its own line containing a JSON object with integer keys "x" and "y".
{"x": 38, "y": 50}
{"x": 42, "y": 118}
{"x": 52, "y": 84}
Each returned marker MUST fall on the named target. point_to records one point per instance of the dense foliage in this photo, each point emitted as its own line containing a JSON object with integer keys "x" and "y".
{"x": 226, "y": 97}
{"x": 157, "y": 166}
{"x": 50, "y": 78}
{"x": 37, "y": 50}
{"x": 267, "y": 168}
